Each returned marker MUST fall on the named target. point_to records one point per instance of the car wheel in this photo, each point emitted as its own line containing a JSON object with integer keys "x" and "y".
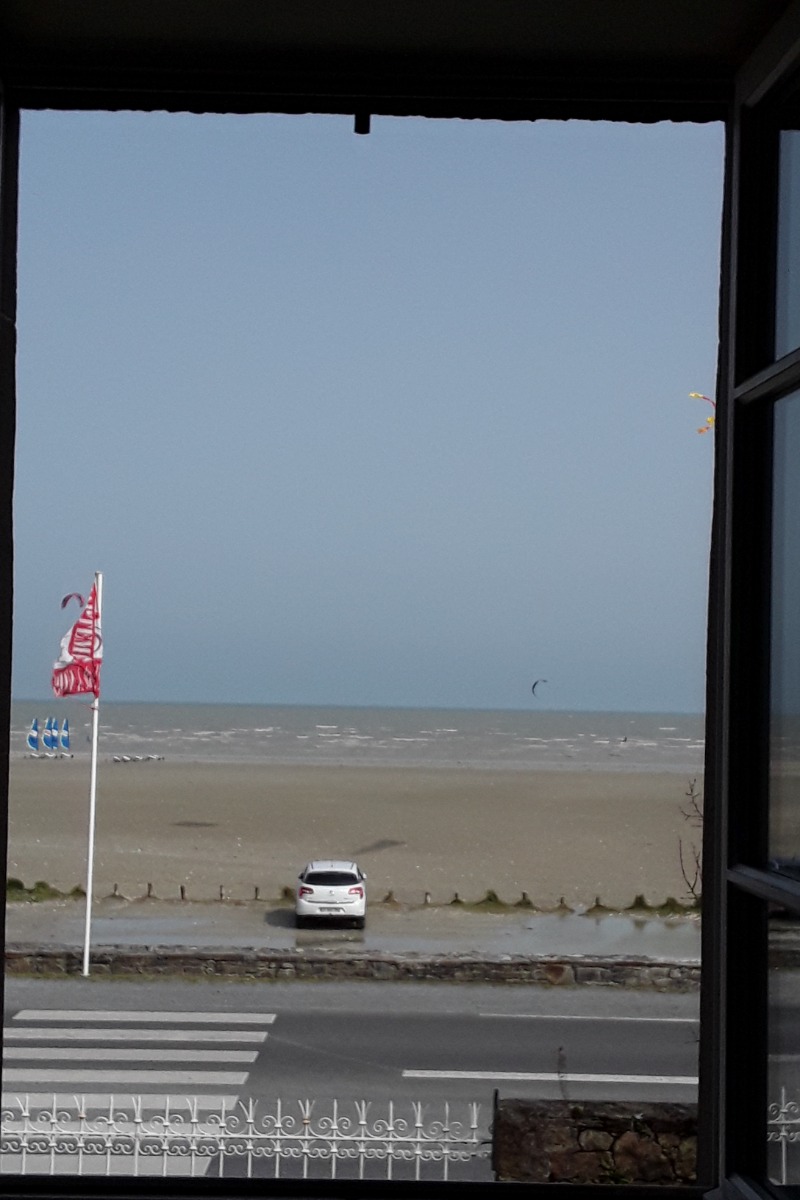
{"x": 300, "y": 922}
{"x": 360, "y": 922}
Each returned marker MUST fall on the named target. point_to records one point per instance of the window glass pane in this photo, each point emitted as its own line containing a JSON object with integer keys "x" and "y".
{"x": 783, "y": 1077}
{"x": 785, "y": 642}
{"x": 787, "y": 283}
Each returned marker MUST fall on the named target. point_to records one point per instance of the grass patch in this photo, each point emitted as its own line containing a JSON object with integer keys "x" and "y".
{"x": 670, "y": 908}
{"x": 673, "y": 908}
{"x": 491, "y": 902}
{"x": 640, "y": 905}
{"x": 16, "y": 892}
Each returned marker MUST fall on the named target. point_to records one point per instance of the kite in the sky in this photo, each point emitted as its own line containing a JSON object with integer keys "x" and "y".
{"x": 73, "y": 596}
{"x": 709, "y": 425}
{"x": 536, "y": 684}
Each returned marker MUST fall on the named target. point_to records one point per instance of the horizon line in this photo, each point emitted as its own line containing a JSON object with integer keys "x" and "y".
{"x": 532, "y": 710}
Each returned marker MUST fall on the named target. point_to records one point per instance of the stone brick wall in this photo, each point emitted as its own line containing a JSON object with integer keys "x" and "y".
{"x": 284, "y": 965}
{"x": 540, "y": 1141}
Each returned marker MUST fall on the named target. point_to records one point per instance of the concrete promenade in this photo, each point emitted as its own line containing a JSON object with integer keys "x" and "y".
{"x": 256, "y": 940}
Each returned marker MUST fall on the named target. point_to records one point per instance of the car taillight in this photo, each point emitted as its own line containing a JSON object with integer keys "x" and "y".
{"x": 356, "y": 891}
{"x": 305, "y": 891}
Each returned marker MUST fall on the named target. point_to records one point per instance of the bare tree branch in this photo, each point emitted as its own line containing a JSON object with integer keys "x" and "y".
{"x": 691, "y": 855}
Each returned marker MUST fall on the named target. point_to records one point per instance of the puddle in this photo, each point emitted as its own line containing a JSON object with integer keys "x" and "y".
{"x": 656, "y": 938}
{"x": 555, "y": 935}
{"x": 420, "y": 931}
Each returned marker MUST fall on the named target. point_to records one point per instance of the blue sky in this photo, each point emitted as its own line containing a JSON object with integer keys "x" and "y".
{"x": 398, "y": 419}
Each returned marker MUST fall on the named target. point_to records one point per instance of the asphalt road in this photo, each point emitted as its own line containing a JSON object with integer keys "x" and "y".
{"x": 412, "y": 1041}
{"x": 440, "y": 1045}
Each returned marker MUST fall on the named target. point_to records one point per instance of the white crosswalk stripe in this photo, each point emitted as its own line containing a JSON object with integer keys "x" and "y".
{"x": 102, "y": 1015}
{"x": 67, "y": 1033}
{"x": 109, "y": 1052}
{"x": 60, "y": 1053}
{"x": 125, "y": 1081}
{"x": 150, "y": 1101}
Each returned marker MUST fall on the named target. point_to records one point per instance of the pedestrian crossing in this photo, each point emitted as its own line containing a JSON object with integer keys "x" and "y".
{"x": 103, "y": 1054}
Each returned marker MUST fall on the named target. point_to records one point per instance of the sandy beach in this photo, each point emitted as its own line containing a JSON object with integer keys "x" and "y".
{"x": 244, "y": 826}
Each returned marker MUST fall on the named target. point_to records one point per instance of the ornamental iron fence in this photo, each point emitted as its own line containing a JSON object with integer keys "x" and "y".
{"x": 783, "y": 1131}
{"x": 193, "y": 1135}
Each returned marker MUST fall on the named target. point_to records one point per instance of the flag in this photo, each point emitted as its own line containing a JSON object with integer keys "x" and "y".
{"x": 78, "y": 668}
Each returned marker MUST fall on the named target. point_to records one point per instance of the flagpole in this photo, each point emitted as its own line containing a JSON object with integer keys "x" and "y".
{"x": 98, "y": 580}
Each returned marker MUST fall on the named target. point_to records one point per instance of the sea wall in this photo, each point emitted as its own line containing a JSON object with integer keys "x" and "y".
{"x": 287, "y": 965}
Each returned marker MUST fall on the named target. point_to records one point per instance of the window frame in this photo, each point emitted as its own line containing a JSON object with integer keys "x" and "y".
{"x": 737, "y": 888}
{"x": 752, "y": 380}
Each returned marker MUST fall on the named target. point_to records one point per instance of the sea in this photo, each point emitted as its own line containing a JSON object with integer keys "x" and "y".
{"x": 396, "y": 737}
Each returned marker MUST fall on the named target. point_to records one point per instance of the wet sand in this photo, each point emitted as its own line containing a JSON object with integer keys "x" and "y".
{"x": 240, "y": 826}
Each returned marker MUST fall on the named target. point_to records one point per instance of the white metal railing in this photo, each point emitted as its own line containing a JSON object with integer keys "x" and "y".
{"x": 783, "y": 1128}
{"x": 127, "y": 1135}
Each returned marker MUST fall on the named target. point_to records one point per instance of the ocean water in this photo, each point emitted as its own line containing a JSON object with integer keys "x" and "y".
{"x": 510, "y": 739}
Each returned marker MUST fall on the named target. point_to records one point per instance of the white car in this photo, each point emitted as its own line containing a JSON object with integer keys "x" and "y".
{"x": 331, "y": 889}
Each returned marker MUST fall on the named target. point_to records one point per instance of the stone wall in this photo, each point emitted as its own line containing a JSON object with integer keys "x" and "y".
{"x": 540, "y": 1141}
{"x": 188, "y": 961}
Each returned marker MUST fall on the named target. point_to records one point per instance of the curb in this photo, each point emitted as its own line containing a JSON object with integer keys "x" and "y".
{"x": 286, "y": 966}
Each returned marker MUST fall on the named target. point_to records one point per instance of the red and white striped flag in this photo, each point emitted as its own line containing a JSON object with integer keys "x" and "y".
{"x": 78, "y": 668}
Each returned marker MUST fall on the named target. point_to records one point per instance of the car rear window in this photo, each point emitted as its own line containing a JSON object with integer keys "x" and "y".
{"x": 331, "y": 878}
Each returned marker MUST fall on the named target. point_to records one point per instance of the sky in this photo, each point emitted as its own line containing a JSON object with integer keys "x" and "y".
{"x": 389, "y": 420}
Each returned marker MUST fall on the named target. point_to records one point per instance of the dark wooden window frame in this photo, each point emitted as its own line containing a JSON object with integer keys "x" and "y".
{"x": 751, "y": 380}
{"x": 737, "y": 885}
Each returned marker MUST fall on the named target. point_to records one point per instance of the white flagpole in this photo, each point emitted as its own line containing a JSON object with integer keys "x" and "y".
{"x": 98, "y": 579}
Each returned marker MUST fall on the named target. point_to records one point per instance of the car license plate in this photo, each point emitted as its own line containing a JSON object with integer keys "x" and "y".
{"x": 331, "y": 909}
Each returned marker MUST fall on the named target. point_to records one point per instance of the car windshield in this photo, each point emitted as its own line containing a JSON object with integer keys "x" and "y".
{"x": 331, "y": 878}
